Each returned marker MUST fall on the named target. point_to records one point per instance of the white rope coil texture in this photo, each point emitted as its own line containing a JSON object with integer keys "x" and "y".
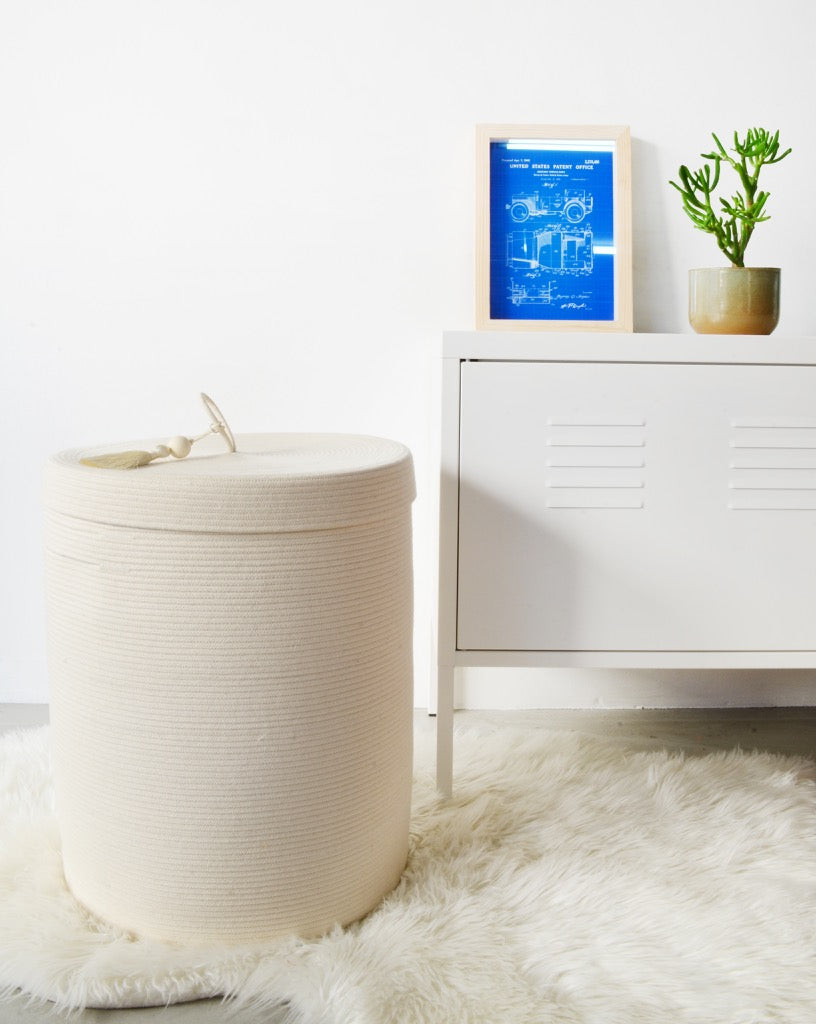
{"x": 231, "y": 693}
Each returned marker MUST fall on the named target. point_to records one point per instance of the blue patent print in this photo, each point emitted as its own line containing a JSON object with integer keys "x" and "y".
{"x": 552, "y": 231}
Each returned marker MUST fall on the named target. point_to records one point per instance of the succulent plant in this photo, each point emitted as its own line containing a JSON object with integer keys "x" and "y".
{"x": 734, "y": 223}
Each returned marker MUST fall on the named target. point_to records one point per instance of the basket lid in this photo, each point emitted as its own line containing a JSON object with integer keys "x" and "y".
{"x": 272, "y": 483}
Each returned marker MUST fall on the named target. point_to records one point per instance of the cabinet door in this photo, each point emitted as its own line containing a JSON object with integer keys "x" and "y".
{"x": 608, "y": 506}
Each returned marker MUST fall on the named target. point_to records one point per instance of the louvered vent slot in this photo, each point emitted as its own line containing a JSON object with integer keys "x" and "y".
{"x": 772, "y": 465}
{"x": 596, "y": 464}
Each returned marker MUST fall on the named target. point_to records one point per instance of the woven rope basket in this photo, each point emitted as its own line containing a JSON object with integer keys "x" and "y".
{"x": 230, "y": 654}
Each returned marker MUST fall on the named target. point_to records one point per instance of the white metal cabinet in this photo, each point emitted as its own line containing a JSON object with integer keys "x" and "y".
{"x": 647, "y": 500}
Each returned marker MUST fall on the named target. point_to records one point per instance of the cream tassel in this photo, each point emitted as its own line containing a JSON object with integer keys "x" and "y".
{"x": 179, "y": 446}
{"x": 127, "y": 460}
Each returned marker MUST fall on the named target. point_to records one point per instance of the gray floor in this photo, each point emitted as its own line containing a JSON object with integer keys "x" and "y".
{"x": 779, "y": 730}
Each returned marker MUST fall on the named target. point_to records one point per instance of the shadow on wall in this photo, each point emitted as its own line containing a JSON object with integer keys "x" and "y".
{"x": 654, "y": 274}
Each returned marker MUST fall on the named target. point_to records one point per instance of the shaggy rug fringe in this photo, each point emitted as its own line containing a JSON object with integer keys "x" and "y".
{"x": 567, "y": 881}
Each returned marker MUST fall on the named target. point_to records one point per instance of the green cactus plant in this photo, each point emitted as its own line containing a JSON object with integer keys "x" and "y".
{"x": 734, "y": 224}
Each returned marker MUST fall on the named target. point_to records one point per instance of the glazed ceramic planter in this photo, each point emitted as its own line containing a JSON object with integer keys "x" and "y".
{"x": 734, "y": 300}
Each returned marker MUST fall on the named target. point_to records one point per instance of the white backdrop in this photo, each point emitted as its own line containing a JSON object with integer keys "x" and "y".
{"x": 273, "y": 202}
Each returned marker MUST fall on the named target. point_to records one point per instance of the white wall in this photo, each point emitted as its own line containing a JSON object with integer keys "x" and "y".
{"x": 274, "y": 203}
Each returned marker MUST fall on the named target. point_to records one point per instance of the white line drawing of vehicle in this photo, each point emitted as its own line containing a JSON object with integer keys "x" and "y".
{"x": 572, "y": 205}
{"x": 567, "y": 250}
{"x": 528, "y": 295}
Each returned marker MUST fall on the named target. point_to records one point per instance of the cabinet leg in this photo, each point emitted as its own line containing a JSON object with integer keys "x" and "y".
{"x": 444, "y": 730}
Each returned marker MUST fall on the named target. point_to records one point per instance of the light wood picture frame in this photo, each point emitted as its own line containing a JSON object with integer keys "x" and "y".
{"x": 554, "y": 227}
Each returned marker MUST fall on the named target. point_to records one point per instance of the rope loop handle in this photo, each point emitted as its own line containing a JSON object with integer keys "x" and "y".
{"x": 179, "y": 446}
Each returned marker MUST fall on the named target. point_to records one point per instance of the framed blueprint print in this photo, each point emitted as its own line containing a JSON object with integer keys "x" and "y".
{"x": 553, "y": 237}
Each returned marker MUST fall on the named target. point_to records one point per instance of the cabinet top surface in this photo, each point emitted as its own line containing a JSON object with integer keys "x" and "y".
{"x": 549, "y": 346}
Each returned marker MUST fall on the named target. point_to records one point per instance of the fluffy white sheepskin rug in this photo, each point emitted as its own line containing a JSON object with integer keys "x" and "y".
{"x": 567, "y": 881}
